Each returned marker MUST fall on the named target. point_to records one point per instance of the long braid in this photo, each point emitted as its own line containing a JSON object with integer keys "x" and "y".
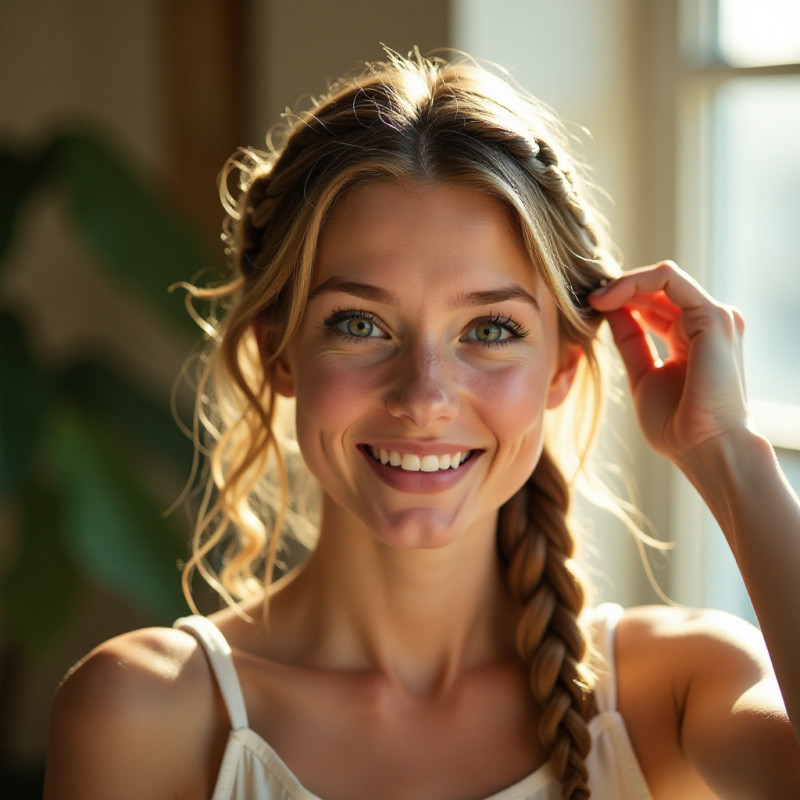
{"x": 536, "y": 547}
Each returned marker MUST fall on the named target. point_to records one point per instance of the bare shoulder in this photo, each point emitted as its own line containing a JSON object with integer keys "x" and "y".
{"x": 133, "y": 674}
{"x": 706, "y": 677}
{"x": 656, "y": 632}
{"x": 137, "y": 717}
{"x": 668, "y": 622}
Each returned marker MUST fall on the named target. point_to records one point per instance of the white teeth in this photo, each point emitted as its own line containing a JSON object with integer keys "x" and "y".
{"x": 429, "y": 464}
{"x": 410, "y": 462}
{"x": 414, "y": 463}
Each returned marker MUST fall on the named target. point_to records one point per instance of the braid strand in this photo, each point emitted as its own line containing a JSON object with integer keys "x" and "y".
{"x": 536, "y": 547}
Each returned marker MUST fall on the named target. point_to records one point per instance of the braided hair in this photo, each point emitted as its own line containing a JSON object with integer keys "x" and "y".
{"x": 536, "y": 548}
{"x": 408, "y": 120}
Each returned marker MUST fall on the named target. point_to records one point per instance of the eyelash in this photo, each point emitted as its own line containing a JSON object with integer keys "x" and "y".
{"x": 508, "y": 323}
{"x": 342, "y": 314}
{"x": 515, "y": 330}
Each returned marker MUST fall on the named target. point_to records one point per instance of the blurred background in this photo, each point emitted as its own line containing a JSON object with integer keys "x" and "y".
{"x": 115, "y": 119}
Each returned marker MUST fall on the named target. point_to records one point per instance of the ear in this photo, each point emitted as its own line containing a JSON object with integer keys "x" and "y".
{"x": 562, "y": 379}
{"x": 279, "y": 371}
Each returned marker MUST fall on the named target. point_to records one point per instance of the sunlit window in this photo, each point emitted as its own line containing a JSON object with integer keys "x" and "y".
{"x": 752, "y": 33}
{"x": 755, "y": 260}
{"x": 738, "y": 203}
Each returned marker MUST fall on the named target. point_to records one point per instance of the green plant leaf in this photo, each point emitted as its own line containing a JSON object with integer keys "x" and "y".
{"x": 36, "y": 616}
{"x": 113, "y": 529}
{"x": 24, "y": 400}
{"x": 109, "y": 396}
{"x": 124, "y": 221}
{"x": 20, "y": 174}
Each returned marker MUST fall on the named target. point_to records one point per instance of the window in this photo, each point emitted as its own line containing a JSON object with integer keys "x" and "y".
{"x": 738, "y": 197}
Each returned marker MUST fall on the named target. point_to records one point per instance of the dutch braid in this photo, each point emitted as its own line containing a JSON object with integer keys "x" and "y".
{"x": 559, "y": 183}
{"x": 536, "y": 548}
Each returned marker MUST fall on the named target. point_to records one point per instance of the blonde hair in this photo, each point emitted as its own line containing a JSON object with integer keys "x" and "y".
{"x": 411, "y": 120}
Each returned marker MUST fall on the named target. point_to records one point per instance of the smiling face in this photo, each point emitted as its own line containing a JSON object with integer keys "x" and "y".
{"x": 424, "y": 363}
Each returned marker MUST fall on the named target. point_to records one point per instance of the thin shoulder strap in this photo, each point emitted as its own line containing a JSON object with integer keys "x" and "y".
{"x": 604, "y": 623}
{"x": 220, "y": 658}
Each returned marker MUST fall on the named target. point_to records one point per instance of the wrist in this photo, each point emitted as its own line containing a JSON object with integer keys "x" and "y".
{"x": 732, "y": 451}
{"x": 728, "y": 468}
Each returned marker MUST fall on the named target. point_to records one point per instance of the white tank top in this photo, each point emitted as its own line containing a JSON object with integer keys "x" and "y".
{"x": 252, "y": 770}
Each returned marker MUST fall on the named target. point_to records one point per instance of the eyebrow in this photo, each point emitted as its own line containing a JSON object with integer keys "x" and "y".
{"x": 368, "y": 291}
{"x": 488, "y": 297}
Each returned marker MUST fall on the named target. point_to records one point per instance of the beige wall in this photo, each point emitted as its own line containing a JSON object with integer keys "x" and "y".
{"x": 63, "y": 63}
{"x": 297, "y": 47}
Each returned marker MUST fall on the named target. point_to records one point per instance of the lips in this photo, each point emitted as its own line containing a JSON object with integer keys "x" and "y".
{"x": 412, "y": 462}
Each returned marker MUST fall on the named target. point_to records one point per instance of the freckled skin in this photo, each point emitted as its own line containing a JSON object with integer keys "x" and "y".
{"x": 425, "y": 377}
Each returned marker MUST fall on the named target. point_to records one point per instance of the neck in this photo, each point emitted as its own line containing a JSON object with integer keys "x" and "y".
{"x": 420, "y": 617}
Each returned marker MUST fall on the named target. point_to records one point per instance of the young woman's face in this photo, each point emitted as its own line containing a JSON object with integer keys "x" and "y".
{"x": 425, "y": 361}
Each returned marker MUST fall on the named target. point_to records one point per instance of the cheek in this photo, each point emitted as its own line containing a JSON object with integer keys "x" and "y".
{"x": 329, "y": 396}
{"x": 512, "y": 400}
{"x": 512, "y": 410}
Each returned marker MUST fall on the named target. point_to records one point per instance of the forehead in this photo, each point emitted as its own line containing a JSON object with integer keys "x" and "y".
{"x": 432, "y": 235}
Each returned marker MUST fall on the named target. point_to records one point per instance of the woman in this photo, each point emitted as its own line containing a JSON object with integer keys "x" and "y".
{"x": 418, "y": 267}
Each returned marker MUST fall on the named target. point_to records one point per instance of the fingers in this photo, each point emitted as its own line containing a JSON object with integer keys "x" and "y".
{"x": 698, "y": 389}
{"x": 637, "y": 351}
{"x": 662, "y": 317}
{"x": 670, "y": 303}
{"x": 666, "y": 278}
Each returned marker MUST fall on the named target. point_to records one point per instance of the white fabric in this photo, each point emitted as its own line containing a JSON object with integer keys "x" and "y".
{"x": 252, "y": 770}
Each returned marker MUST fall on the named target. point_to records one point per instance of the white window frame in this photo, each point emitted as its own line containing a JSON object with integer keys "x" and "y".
{"x": 704, "y": 572}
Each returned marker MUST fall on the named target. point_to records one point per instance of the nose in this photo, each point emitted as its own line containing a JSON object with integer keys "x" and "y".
{"x": 423, "y": 386}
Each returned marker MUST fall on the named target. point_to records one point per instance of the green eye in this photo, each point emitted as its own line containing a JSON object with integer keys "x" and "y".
{"x": 355, "y": 325}
{"x": 360, "y": 327}
{"x": 495, "y": 329}
{"x": 487, "y": 332}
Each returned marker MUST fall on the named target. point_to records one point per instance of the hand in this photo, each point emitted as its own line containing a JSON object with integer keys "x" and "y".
{"x": 697, "y": 392}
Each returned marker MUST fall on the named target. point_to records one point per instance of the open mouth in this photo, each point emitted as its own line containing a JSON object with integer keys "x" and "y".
{"x": 410, "y": 462}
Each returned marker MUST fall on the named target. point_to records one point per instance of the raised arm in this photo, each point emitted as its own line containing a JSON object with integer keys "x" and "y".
{"x": 692, "y": 408}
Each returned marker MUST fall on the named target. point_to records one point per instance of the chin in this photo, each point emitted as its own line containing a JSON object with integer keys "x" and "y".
{"x": 422, "y": 529}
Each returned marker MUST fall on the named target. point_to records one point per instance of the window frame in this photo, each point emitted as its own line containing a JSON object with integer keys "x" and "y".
{"x": 704, "y": 572}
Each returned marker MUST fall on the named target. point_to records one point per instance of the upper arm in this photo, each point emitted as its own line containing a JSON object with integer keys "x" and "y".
{"x": 733, "y": 725}
{"x": 702, "y": 706}
{"x": 123, "y": 726}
